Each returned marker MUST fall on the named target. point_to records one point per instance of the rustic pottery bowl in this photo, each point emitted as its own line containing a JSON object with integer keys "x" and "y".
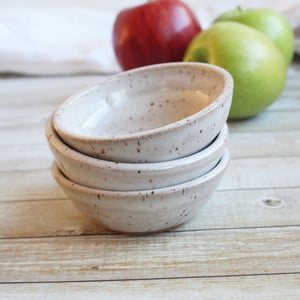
{"x": 109, "y": 175}
{"x": 149, "y": 114}
{"x": 145, "y": 211}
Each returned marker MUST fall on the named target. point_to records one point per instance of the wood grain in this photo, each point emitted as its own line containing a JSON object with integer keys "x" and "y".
{"x": 227, "y": 210}
{"x": 40, "y": 91}
{"x": 274, "y": 287}
{"x": 168, "y": 255}
{"x": 38, "y": 156}
{"x": 244, "y": 244}
{"x": 271, "y": 144}
{"x": 23, "y": 135}
{"x": 266, "y": 172}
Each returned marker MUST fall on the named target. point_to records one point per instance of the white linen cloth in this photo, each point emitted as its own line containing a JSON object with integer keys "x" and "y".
{"x": 76, "y": 37}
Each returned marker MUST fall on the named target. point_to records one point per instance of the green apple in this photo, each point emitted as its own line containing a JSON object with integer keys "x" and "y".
{"x": 270, "y": 22}
{"x": 255, "y": 63}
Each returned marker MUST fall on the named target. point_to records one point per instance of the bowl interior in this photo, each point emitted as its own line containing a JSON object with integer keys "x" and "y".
{"x": 58, "y": 145}
{"x": 140, "y": 100}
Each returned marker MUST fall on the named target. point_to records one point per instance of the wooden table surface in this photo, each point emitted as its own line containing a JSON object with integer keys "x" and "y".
{"x": 244, "y": 244}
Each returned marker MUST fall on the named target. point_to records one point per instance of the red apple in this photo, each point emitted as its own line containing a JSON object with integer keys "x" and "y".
{"x": 155, "y": 32}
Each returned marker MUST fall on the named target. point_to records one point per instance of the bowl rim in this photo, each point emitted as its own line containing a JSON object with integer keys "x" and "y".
{"x": 181, "y": 187}
{"x": 53, "y": 138}
{"x": 226, "y": 93}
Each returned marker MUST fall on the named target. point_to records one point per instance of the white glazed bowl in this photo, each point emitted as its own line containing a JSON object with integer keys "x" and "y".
{"x": 143, "y": 211}
{"x": 108, "y": 175}
{"x": 149, "y": 114}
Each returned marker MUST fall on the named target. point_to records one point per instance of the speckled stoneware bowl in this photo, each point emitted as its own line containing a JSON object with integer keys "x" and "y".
{"x": 145, "y": 211}
{"x": 108, "y": 175}
{"x": 149, "y": 114}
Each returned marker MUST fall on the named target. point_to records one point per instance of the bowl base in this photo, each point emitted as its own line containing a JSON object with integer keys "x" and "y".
{"x": 142, "y": 233}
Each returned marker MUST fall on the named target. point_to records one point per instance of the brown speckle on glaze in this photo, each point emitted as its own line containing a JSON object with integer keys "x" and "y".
{"x": 92, "y": 147}
{"x": 183, "y": 213}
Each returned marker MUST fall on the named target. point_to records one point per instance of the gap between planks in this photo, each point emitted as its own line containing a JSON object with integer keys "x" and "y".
{"x": 248, "y": 287}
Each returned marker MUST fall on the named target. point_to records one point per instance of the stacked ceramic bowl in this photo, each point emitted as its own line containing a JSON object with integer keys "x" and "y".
{"x": 143, "y": 150}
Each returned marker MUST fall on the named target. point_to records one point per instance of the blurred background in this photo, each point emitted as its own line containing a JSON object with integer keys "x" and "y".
{"x": 74, "y": 36}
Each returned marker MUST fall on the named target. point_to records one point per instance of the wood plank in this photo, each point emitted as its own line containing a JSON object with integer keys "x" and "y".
{"x": 264, "y": 144}
{"x": 258, "y": 173}
{"x": 168, "y": 255}
{"x": 275, "y": 287}
{"x": 26, "y": 91}
{"x": 268, "y": 121}
{"x": 289, "y": 99}
{"x": 33, "y": 157}
{"x": 31, "y": 185}
{"x": 44, "y": 218}
{"x": 19, "y": 92}
{"x": 38, "y": 156}
{"x": 23, "y": 135}
{"x": 29, "y": 115}
{"x": 25, "y": 94}
{"x": 227, "y": 210}
{"x": 246, "y": 173}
